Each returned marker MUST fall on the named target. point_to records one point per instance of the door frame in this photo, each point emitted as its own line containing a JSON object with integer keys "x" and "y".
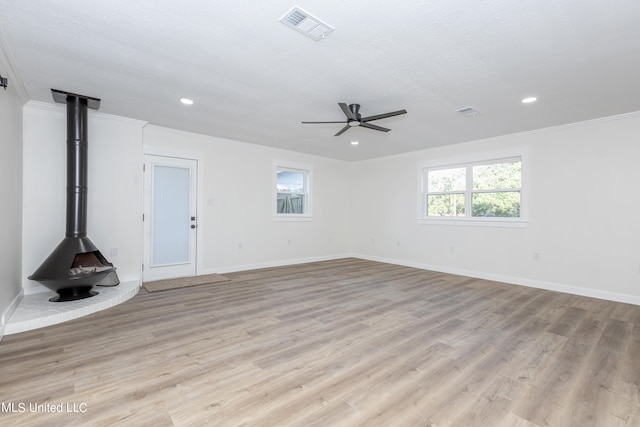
{"x": 187, "y": 155}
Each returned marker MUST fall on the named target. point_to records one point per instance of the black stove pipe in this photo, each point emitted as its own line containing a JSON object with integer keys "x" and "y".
{"x": 76, "y": 218}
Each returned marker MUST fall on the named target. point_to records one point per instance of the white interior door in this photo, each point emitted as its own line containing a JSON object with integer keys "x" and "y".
{"x": 170, "y": 218}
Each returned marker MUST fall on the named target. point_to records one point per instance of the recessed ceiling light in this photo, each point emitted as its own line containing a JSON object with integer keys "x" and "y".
{"x": 354, "y": 143}
{"x": 529, "y": 100}
{"x": 186, "y": 101}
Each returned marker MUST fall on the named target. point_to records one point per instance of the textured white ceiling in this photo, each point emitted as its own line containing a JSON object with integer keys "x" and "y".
{"x": 254, "y": 80}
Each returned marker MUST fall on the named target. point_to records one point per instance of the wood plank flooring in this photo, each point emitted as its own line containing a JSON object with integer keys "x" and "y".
{"x": 337, "y": 343}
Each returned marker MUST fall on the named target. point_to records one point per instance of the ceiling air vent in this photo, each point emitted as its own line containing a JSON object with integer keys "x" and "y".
{"x": 305, "y": 23}
{"x": 469, "y": 111}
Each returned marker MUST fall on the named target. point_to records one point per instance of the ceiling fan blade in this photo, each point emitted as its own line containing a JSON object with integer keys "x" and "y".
{"x": 322, "y": 122}
{"x": 347, "y": 112}
{"x": 343, "y": 130}
{"x": 374, "y": 127}
{"x": 384, "y": 116}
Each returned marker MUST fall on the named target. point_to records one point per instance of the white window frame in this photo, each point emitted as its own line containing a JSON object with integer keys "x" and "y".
{"x": 307, "y": 170}
{"x": 469, "y": 161}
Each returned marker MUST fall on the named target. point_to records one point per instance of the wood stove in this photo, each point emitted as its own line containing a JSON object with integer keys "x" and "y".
{"x": 76, "y": 265}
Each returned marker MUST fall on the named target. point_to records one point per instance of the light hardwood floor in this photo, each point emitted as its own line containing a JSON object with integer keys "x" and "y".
{"x": 337, "y": 343}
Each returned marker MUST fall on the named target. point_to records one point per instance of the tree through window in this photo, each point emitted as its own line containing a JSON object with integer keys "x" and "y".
{"x": 478, "y": 190}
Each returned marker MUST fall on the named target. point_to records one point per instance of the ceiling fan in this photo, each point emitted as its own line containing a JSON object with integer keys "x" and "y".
{"x": 354, "y": 118}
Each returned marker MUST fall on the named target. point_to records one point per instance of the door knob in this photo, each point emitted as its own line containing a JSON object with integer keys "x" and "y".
{"x": 193, "y": 226}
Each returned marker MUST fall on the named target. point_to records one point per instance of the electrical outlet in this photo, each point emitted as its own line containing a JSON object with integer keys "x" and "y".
{"x": 451, "y": 249}
{"x": 536, "y": 256}
{"x": 289, "y": 242}
{"x": 240, "y": 246}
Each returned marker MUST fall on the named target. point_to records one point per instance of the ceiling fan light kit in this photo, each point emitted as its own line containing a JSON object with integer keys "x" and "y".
{"x": 354, "y": 118}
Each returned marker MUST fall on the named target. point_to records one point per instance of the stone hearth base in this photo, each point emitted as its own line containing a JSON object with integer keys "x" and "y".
{"x": 36, "y": 311}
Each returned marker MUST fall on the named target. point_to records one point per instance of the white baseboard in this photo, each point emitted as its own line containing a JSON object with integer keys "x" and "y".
{"x": 512, "y": 280}
{"x": 10, "y": 309}
{"x": 521, "y": 281}
{"x": 34, "y": 288}
{"x": 268, "y": 264}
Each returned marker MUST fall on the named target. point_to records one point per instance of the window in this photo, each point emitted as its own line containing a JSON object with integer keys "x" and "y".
{"x": 496, "y": 189}
{"x": 446, "y": 192}
{"x": 489, "y": 191}
{"x": 292, "y": 195}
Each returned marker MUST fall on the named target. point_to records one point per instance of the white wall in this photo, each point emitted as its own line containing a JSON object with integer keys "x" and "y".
{"x": 114, "y": 182}
{"x": 239, "y": 215}
{"x": 583, "y": 217}
{"x": 582, "y": 223}
{"x": 237, "y": 197}
{"x": 10, "y": 197}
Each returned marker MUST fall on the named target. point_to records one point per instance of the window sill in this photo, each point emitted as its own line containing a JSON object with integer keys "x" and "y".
{"x": 476, "y": 222}
{"x": 292, "y": 218}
